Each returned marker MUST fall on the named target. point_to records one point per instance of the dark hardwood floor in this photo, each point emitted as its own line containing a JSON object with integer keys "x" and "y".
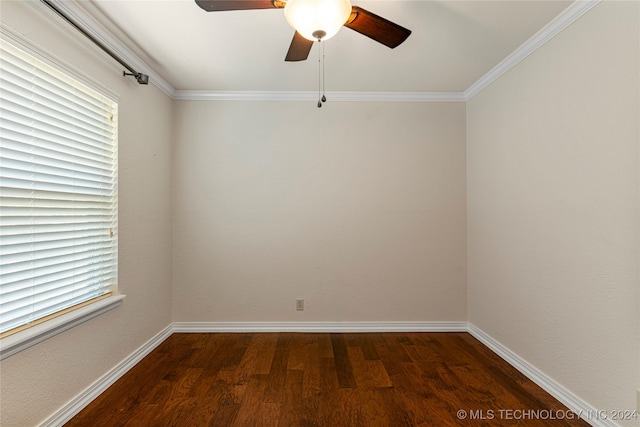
{"x": 332, "y": 380}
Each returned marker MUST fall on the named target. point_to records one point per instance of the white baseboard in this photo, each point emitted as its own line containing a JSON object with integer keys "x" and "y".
{"x": 562, "y": 394}
{"x": 566, "y": 397}
{"x": 75, "y": 405}
{"x": 320, "y": 327}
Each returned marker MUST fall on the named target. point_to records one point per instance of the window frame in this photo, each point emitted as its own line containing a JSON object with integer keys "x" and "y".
{"x": 72, "y": 316}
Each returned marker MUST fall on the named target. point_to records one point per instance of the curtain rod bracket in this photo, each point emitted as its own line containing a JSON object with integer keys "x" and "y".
{"x": 143, "y": 79}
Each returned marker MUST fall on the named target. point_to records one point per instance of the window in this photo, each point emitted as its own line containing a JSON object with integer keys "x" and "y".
{"x": 58, "y": 193}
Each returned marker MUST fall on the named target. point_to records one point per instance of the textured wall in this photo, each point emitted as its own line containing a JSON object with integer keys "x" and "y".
{"x": 38, "y": 381}
{"x": 553, "y": 191}
{"x": 357, "y": 208}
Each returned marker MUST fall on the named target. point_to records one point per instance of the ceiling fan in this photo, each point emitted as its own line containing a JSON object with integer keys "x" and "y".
{"x": 317, "y": 20}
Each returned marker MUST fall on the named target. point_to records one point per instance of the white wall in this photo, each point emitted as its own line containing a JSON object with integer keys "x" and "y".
{"x": 357, "y": 208}
{"x": 553, "y": 191}
{"x": 38, "y": 381}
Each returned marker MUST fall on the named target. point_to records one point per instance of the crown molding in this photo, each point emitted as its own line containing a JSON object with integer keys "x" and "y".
{"x": 574, "y": 11}
{"x": 85, "y": 20}
{"x": 202, "y": 95}
{"x": 93, "y": 27}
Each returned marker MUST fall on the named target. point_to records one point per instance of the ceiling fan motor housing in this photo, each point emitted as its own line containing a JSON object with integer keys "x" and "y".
{"x": 319, "y": 34}
{"x": 317, "y": 19}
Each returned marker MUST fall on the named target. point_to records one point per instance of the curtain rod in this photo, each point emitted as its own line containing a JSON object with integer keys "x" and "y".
{"x": 143, "y": 79}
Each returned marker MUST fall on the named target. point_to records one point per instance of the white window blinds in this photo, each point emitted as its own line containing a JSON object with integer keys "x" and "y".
{"x": 58, "y": 192}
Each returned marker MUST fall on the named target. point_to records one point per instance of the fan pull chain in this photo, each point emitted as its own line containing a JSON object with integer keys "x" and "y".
{"x": 321, "y": 97}
{"x": 324, "y": 98}
{"x": 319, "y": 73}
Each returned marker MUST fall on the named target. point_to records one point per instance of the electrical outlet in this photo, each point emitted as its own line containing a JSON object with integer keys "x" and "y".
{"x": 300, "y": 305}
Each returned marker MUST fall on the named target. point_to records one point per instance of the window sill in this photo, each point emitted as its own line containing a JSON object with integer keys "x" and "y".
{"x": 24, "y": 339}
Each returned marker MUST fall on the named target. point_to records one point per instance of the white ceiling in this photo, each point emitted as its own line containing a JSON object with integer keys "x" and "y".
{"x": 453, "y": 44}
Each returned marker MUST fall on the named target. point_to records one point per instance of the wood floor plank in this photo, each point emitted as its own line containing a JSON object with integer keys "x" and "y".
{"x": 369, "y": 347}
{"x": 257, "y": 358}
{"x": 249, "y": 411}
{"x": 342, "y": 408}
{"x": 311, "y": 378}
{"x": 322, "y": 380}
{"x": 291, "y": 408}
{"x": 324, "y": 345}
{"x": 274, "y": 391}
{"x": 344, "y": 369}
{"x": 367, "y": 373}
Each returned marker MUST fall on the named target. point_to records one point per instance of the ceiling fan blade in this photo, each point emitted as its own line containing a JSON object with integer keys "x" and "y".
{"x": 221, "y": 5}
{"x": 376, "y": 27}
{"x": 299, "y": 48}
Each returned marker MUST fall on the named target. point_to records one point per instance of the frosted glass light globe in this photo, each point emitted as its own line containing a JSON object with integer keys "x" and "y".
{"x": 317, "y": 19}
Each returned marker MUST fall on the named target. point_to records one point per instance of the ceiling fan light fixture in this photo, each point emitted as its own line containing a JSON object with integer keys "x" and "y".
{"x": 317, "y": 19}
